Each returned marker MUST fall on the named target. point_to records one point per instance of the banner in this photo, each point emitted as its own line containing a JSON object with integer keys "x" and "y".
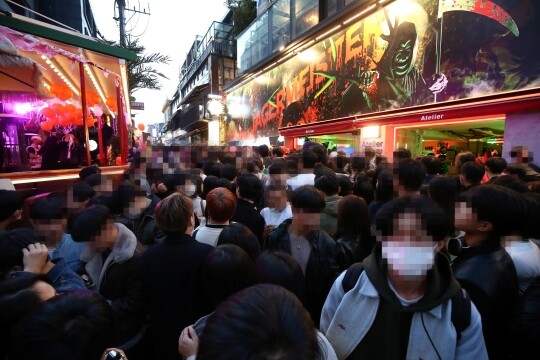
{"x": 409, "y": 53}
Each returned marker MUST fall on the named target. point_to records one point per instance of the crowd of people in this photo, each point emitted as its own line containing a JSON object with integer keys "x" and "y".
{"x": 303, "y": 255}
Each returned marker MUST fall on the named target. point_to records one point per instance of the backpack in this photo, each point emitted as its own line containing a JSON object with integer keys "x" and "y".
{"x": 461, "y": 302}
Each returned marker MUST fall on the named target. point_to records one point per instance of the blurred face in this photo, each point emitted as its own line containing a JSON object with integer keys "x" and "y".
{"x": 277, "y": 199}
{"x": 465, "y": 217}
{"x": 409, "y": 251}
{"x": 137, "y": 207}
{"x": 189, "y": 188}
{"x": 51, "y": 229}
{"x": 106, "y": 239}
{"x": 308, "y": 221}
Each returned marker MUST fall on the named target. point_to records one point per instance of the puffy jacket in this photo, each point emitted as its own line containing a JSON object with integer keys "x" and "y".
{"x": 321, "y": 270}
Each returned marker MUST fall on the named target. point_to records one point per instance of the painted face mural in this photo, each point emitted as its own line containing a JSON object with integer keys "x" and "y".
{"x": 410, "y": 53}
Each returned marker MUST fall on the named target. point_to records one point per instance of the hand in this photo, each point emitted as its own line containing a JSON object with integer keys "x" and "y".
{"x": 268, "y": 229}
{"x": 35, "y": 257}
{"x": 188, "y": 343}
{"x": 118, "y": 351}
{"x": 161, "y": 188}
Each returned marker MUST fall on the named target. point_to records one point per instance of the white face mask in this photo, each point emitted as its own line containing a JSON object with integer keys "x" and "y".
{"x": 189, "y": 190}
{"x": 407, "y": 260}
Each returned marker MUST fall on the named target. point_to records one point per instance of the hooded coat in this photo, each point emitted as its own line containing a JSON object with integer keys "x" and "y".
{"x": 369, "y": 321}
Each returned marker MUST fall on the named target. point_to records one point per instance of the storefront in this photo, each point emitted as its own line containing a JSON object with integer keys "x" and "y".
{"x": 62, "y": 88}
{"x": 421, "y": 74}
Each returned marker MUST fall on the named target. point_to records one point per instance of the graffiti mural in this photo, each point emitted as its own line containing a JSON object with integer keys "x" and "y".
{"x": 409, "y": 53}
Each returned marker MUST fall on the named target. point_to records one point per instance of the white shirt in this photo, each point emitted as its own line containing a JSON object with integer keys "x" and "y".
{"x": 208, "y": 234}
{"x": 526, "y": 258}
{"x": 275, "y": 217}
{"x": 301, "y": 179}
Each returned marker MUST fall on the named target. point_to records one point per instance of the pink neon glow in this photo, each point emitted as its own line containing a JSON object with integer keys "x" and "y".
{"x": 22, "y": 108}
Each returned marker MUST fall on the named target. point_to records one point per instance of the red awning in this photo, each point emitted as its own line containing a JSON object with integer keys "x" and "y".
{"x": 519, "y": 101}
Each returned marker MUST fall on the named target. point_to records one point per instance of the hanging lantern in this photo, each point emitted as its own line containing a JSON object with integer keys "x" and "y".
{"x": 46, "y": 126}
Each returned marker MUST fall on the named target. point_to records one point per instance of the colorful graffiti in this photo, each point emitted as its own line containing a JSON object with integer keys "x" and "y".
{"x": 412, "y": 52}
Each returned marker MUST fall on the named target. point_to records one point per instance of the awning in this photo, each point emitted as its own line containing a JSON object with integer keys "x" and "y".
{"x": 194, "y": 94}
{"x": 57, "y": 52}
{"x": 519, "y": 101}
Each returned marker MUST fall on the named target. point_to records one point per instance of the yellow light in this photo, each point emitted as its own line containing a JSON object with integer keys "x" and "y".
{"x": 370, "y": 132}
{"x": 328, "y": 32}
{"x": 354, "y": 17}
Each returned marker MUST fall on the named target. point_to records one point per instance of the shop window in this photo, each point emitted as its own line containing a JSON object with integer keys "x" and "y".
{"x": 307, "y": 15}
{"x": 281, "y": 30}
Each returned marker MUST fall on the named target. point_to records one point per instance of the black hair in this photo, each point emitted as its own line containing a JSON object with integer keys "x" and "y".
{"x": 222, "y": 182}
{"x": 229, "y": 172}
{"x": 207, "y": 165}
{"x": 309, "y": 159}
{"x": 401, "y": 153}
{"x": 86, "y": 171}
{"x": 249, "y": 186}
{"x": 239, "y": 234}
{"x": 433, "y": 219}
{"x": 363, "y": 188}
{"x": 505, "y": 209}
{"x": 433, "y": 164}
{"x": 516, "y": 169}
{"x": 111, "y": 202}
{"x": 226, "y": 270}
{"x": 76, "y": 325}
{"x": 48, "y": 208}
{"x": 209, "y": 184}
{"x": 496, "y": 164}
{"x": 12, "y": 243}
{"x": 511, "y": 182}
{"x": 308, "y": 198}
{"x": 463, "y": 158}
{"x": 277, "y": 151}
{"x": 358, "y": 163}
{"x": 95, "y": 179}
{"x": 345, "y": 186}
{"x": 215, "y": 170}
{"x": 281, "y": 268}
{"x": 411, "y": 174}
{"x": 10, "y": 201}
{"x": 261, "y": 322}
{"x": 320, "y": 151}
{"x": 327, "y": 183}
{"x": 473, "y": 172}
{"x": 125, "y": 194}
{"x": 384, "y": 190}
{"x": 277, "y": 168}
{"x": 18, "y": 299}
{"x": 89, "y": 222}
{"x": 81, "y": 192}
{"x": 263, "y": 150}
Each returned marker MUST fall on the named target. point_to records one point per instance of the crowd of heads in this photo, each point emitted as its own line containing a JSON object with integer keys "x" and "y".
{"x": 261, "y": 294}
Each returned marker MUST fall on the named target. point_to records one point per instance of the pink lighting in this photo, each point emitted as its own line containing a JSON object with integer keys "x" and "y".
{"x": 22, "y": 108}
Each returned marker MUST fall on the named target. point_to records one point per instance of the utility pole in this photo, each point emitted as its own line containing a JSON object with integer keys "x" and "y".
{"x": 122, "y": 18}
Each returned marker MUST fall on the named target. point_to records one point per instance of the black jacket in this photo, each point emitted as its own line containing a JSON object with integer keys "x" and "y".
{"x": 247, "y": 214}
{"x": 144, "y": 227}
{"x": 321, "y": 270}
{"x": 525, "y": 322}
{"x": 171, "y": 273}
{"x": 488, "y": 274}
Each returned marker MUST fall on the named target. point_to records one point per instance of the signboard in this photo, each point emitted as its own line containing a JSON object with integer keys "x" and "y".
{"x": 398, "y": 57}
{"x": 137, "y": 105}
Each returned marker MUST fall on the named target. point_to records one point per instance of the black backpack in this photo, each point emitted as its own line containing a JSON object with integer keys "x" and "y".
{"x": 461, "y": 302}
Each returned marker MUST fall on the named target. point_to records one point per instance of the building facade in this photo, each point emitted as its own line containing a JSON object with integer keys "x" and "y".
{"x": 209, "y": 64}
{"x": 428, "y": 75}
{"x": 75, "y": 14}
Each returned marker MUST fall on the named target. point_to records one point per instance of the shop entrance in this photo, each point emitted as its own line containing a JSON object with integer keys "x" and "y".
{"x": 346, "y": 142}
{"x": 445, "y": 140}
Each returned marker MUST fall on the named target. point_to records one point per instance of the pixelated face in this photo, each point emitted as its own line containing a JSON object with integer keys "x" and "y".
{"x": 465, "y": 217}
{"x": 50, "y": 229}
{"x": 106, "y": 239}
{"x": 188, "y": 188}
{"x": 137, "y": 206}
{"x": 280, "y": 179}
{"x": 277, "y": 199}
{"x": 409, "y": 250}
{"x": 308, "y": 220}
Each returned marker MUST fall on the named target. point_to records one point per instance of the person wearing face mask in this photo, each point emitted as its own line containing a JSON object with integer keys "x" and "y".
{"x": 137, "y": 212}
{"x": 191, "y": 187}
{"x": 401, "y": 304}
